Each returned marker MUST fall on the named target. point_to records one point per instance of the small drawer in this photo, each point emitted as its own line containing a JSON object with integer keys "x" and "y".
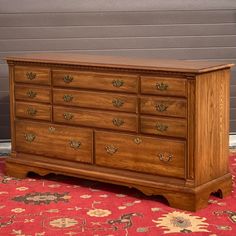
{"x": 163, "y": 86}
{"x": 32, "y": 75}
{"x": 99, "y": 119}
{"x": 109, "y": 101}
{"x": 34, "y": 94}
{"x": 96, "y": 81}
{"x": 33, "y": 111}
{"x": 139, "y": 153}
{"x": 174, "y": 127}
{"x": 164, "y": 106}
{"x": 69, "y": 143}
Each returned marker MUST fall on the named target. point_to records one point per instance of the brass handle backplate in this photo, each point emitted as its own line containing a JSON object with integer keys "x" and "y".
{"x": 117, "y": 122}
{"x": 31, "y": 94}
{"x": 31, "y": 111}
{"x": 161, "y": 86}
{"x": 75, "y": 144}
{"x": 117, "y": 83}
{"x": 137, "y": 140}
{"x": 31, "y": 75}
{"x": 67, "y": 98}
{"x": 68, "y": 115}
{"x": 117, "y": 102}
{"x": 30, "y": 137}
{"x": 68, "y": 79}
{"x": 161, "y": 127}
{"x": 165, "y": 157}
{"x": 111, "y": 149}
{"x": 161, "y": 107}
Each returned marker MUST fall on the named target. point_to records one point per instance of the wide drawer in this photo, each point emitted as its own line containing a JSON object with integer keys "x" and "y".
{"x": 57, "y": 141}
{"x": 163, "y": 86}
{"x": 97, "y": 81}
{"x": 99, "y": 119}
{"x": 174, "y": 127}
{"x": 140, "y": 153}
{"x": 109, "y": 101}
{"x": 33, "y": 75}
{"x": 32, "y": 93}
{"x": 33, "y": 111}
{"x": 164, "y": 106}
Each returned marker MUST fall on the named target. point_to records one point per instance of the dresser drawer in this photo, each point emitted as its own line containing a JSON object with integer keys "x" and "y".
{"x": 164, "y": 106}
{"x": 163, "y": 86}
{"x": 33, "y": 111}
{"x": 96, "y": 100}
{"x": 31, "y": 93}
{"x": 99, "y": 119}
{"x": 97, "y": 81}
{"x": 58, "y": 141}
{"x": 32, "y": 75}
{"x": 174, "y": 127}
{"x": 139, "y": 153}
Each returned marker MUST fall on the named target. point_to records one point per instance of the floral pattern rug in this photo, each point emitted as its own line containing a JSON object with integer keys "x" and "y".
{"x": 64, "y": 206}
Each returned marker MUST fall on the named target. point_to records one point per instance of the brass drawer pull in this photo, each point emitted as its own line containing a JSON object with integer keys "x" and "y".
{"x": 161, "y": 107}
{"x": 68, "y": 115}
{"x": 111, "y": 149}
{"x": 30, "y": 137}
{"x": 30, "y": 75}
{"x": 165, "y": 157}
{"x": 75, "y": 144}
{"x": 31, "y": 111}
{"x": 68, "y": 79}
{"x": 117, "y": 122}
{"x": 117, "y": 102}
{"x": 31, "y": 94}
{"x": 67, "y": 98}
{"x": 51, "y": 129}
{"x": 117, "y": 83}
{"x": 137, "y": 140}
{"x": 161, "y": 86}
{"x": 161, "y": 127}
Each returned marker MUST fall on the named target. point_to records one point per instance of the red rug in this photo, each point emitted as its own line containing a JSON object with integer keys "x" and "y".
{"x": 67, "y": 206}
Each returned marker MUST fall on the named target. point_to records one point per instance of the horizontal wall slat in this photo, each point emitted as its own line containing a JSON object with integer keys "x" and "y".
{"x": 4, "y": 120}
{"x": 117, "y": 43}
{"x": 5, "y": 109}
{"x": 3, "y": 70}
{"x": 233, "y": 114}
{"x": 233, "y": 91}
{"x": 116, "y": 31}
{"x": 4, "y": 96}
{"x": 233, "y": 126}
{"x": 118, "y": 18}
{"x": 5, "y": 132}
{"x": 4, "y": 84}
{"x": 110, "y": 5}
{"x": 179, "y": 53}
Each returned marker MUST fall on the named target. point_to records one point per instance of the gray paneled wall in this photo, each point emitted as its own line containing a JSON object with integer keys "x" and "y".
{"x": 179, "y": 29}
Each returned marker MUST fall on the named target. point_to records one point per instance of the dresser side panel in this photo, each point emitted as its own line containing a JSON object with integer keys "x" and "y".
{"x": 212, "y": 125}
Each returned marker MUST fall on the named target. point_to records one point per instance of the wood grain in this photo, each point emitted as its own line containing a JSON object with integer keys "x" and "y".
{"x": 97, "y": 100}
{"x": 40, "y": 75}
{"x": 32, "y": 93}
{"x": 55, "y": 141}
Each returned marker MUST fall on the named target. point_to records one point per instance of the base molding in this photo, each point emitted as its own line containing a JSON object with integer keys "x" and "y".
{"x": 178, "y": 195}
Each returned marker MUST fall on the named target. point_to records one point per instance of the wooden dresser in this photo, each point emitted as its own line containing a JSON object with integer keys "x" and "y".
{"x": 160, "y": 126}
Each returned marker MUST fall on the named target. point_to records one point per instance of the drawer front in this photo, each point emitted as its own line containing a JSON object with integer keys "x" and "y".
{"x": 139, "y": 153}
{"x": 164, "y": 106}
{"x": 32, "y": 75}
{"x": 98, "y": 81}
{"x": 57, "y": 141}
{"x": 163, "y": 86}
{"x": 34, "y": 94}
{"x": 99, "y": 119}
{"x": 33, "y": 111}
{"x": 164, "y": 126}
{"x": 96, "y": 100}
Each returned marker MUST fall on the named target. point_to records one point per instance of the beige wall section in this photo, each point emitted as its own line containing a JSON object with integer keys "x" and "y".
{"x": 181, "y": 29}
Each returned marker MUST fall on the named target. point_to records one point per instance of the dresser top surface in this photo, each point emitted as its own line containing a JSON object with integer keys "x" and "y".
{"x": 121, "y": 62}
